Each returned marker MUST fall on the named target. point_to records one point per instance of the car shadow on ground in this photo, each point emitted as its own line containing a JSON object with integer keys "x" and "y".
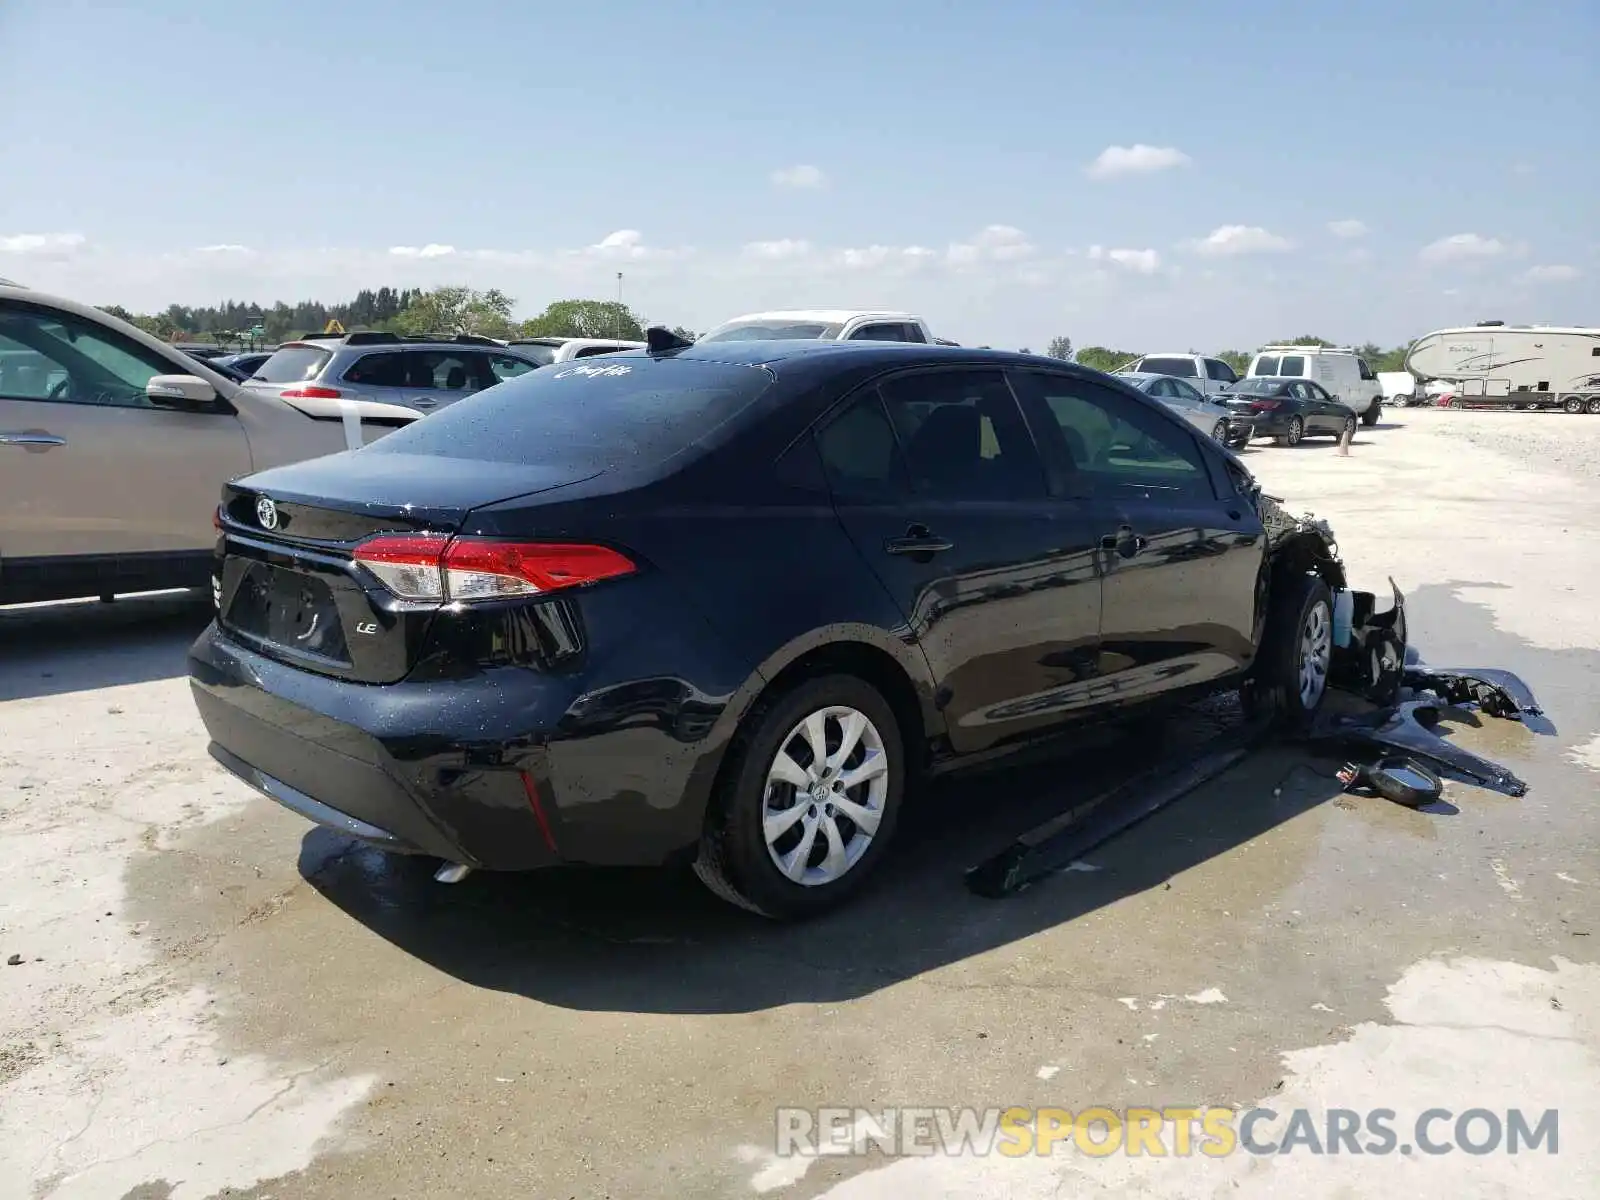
{"x": 54, "y": 649}
{"x": 657, "y": 941}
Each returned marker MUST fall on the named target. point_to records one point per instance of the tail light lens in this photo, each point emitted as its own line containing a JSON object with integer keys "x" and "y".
{"x": 433, "y": 567}
{"x": 312, "y": 393}
{"x": 1265, "y": 405}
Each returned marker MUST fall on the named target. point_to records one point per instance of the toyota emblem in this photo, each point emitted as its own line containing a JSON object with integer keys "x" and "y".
{"x": 267, "y": 513}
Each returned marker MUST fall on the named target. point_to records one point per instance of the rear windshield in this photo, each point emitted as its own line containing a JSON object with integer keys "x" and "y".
{"x": 293, "y": 364}
{"x": 1267, "y": 364}
{"x": 1257, "y": 387}
{"x": 626, "y": 411}
{"x": 1181, "y": 367}
{"x": 775, "y": 331}
{"x": 1292, "y": 364}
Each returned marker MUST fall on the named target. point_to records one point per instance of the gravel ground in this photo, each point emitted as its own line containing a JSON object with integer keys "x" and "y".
{"x": 1542, "y": 440}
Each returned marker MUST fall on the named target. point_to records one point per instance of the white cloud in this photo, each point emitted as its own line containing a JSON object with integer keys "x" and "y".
{"x": 1137, "y": 159}
{"x": 801, "y": 176}
{"x": 1144, "y": 262}
{"x": 994, "y": 243}
{"x": 1554, "y": 273}
{"x": 225, "y": 248}
{"x": 780, "y": 248}
{"x": 43, "y": 245}
{"x": 1459, "y": 247}
{"x": 431, "y": 250}
{"x": 1240, "y": 239}
{"x": 1348, "y": 229}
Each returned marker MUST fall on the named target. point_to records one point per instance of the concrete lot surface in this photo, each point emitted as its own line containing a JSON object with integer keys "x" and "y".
{"x": 212, "y": 999}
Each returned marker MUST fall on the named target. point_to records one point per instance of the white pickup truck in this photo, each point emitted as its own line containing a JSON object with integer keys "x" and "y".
{"x": 827, "y": 324}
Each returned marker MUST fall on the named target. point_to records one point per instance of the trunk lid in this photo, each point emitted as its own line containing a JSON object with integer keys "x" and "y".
{"x": 287, "y": 584}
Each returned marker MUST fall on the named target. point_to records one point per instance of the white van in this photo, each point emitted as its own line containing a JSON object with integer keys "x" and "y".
{"x": 1337, "y": 368}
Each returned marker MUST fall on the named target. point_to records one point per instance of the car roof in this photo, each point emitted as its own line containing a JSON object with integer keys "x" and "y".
{"x": 810, "y": 353}
{"x": 826, "y": 316}
{"x": 1141, "y": 376}
{"x": 1171, "y": 354}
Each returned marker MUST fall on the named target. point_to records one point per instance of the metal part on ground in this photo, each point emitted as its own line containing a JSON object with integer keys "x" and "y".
{"x": 1056, "y": 843}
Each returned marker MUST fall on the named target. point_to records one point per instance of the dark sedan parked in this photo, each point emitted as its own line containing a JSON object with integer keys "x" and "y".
{"x": 720, "y": 603}
{"x": 1285, "y": 410}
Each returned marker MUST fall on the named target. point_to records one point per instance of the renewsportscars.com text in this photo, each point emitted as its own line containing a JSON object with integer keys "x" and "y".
{"x": 1175, "y": 1131}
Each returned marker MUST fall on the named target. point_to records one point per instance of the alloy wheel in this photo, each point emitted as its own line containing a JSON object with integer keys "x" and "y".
{"x": 1297, "y": 429}
{"x": 1219, "y": 431}
{"x": 1316, "y": 650}
{"x": 825, "y": 794}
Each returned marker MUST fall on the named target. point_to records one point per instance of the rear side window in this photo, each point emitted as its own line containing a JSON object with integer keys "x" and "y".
{"x": 540, "y": 354}
{"x": 1292, "y": 364}
{"x": 627, "y": 411}
{"x": 963, "y": 436}
{"x": 378, "y": 370}
{"x": 1220, "y": 371}
{"x": 860, "y": 454}
{"x": 1183, "y": 368}
{"x": 294, "y": 364}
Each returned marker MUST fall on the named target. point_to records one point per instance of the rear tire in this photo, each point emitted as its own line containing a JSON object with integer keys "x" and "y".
{"x": 1370, "y": 417}
{"x": 1400, "y": 401}
{"x": 1573, "y": 404}
{"x": 1219, "y": 431}
{"x": 1593, "y": 406}
{"x": 775, "y": 783}
{"x": 1297, "y": 430}
{"x": 1296, "y": 654}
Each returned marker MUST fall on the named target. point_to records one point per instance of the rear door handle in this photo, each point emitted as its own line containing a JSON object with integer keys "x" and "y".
{"x": 424, "y": 402}
{"x": 919, "y": 539}
{"x": 32, "y": 440}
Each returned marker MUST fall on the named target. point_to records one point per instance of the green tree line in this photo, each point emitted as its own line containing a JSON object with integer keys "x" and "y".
{"x": 443, "y": 310}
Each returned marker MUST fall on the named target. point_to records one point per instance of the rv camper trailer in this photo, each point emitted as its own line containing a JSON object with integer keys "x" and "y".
{"x": 1522, "y": 365}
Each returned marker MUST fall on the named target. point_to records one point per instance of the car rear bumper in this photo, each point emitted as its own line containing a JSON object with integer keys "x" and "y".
{"x": 490, "y": 771}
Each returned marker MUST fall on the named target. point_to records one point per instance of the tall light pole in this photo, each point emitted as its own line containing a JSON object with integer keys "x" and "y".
{"x": 619, "y": 306}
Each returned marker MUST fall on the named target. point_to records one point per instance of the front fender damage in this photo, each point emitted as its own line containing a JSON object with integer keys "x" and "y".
{"x": 1372, "y": 660}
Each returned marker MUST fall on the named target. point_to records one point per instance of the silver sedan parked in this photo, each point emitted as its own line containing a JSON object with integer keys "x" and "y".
{"x": 1209, "y": 414}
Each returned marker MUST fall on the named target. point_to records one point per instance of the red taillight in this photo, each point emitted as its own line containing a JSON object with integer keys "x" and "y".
{"x": 432, "y": 567}
{"x": 216, "y": 518}
{"x": 312, "y": 393}
{"x": 1264, "y": 405}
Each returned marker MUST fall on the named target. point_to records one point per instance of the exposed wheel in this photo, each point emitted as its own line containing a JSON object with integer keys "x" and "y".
{"x": 1297, "y": 430}
{"x": 1219, "y": 431}
{"x": 1350, "y": 426}
{"x": 1455, "y": 404}
{"x": 1370, "y": 417}
{"x": 1592, "y": 406}
{"x": 809, "y": 801}
{"x": 1573, "y": 404}
{"x": 1291, "y": 671}
{"x": 1399, "y": 401}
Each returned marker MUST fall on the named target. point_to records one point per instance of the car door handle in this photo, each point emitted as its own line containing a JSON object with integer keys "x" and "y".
{"x": 424, "y": 402}
{"x": 1124, "y": 541}
{"x": 32, "y": 440}
{"x": 919, "y": 539}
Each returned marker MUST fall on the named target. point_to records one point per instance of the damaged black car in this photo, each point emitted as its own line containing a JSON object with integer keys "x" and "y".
{"x": 726, "y": 604}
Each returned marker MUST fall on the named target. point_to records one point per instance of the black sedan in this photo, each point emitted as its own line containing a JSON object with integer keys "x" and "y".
{"x": 722, "y": 604}
{"x": 1285, "y": 410}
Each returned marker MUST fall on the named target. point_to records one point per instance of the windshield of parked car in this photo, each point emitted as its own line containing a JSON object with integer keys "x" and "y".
{"x": 771, "y": 331}
{"x": 293, "y": 364}
{"x": 1182, "y": 367}
{"x": 631, "y": 410}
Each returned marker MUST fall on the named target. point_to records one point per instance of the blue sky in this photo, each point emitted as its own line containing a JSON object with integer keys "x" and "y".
{"x": 1366, "y": 171}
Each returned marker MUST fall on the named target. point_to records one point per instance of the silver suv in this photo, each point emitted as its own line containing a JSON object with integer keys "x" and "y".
{"x": 422, "y": 373}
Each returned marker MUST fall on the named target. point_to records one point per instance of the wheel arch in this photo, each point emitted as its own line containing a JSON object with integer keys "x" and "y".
{"x": 897, "y": 670}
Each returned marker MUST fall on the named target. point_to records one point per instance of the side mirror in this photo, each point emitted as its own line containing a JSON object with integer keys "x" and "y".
{"x": 188, "y": 393}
